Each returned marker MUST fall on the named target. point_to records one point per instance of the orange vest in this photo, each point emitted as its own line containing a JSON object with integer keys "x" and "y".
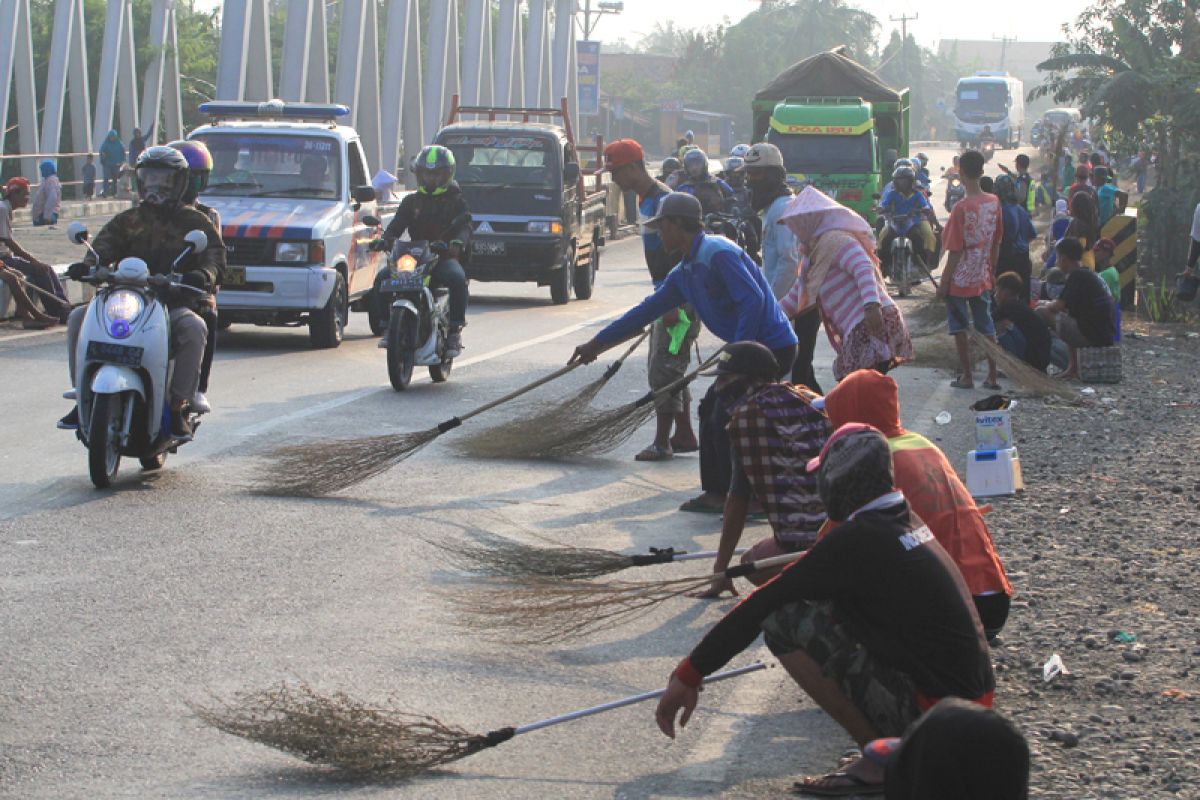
{"x": 938, "y": 497}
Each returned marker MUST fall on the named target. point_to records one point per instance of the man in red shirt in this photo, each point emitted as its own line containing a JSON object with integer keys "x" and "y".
{"x": 972, "y": 237}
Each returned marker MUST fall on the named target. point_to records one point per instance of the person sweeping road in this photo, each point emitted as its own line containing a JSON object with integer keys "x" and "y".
{"x": 774, "y": 431}
{"x": 732, "y": 299}
{"x": 875, "y": 623}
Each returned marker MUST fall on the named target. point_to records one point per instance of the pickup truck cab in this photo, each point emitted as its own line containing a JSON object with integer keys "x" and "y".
{"x": 535, "y": 219}
{"x": 292, "y": 188}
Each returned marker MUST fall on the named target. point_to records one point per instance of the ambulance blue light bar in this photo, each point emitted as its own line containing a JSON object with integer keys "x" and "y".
{"x": 274, "y": 109}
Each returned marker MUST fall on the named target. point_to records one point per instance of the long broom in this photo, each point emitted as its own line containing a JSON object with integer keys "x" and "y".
{"x": 594, "y": 432}
{"x": 368, "y": 741}
{"x": 500, "y": 441}
{"x": 506, "y": 558}
{"x": 547, "y": 611}
{"x": 1032, "y": 381}
{"x": 315, "y": 469}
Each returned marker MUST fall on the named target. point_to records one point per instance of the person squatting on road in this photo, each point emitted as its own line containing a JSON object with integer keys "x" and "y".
{"x": 774, "y": 431}
{"x": 731, "y": 298}
{"x": 18, "y": 266}
{"x": 1084, "y": 314}
{"x": 931, "y": 487}
{"x": 841, "y": 276}
{"x": 200, "y": 164}
{"x": 875, "y": 622}
{"x": 426, "y": 214}
{"x": 672, "y": 334}
{"x": 154, "y": 231}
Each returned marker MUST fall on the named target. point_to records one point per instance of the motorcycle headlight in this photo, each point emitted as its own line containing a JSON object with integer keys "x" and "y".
{"x": 544, "y": 226}
{"x": 406, "y": 263}
{"x": 121, "y": 309}
{"x": 291, "y": 252}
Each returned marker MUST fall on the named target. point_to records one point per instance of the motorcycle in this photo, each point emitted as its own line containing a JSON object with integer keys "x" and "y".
{"x": 900, "y": 267}
{"x": 740, "y": 228}
{"x": 988, "y": 148}
{"x": 418, "y": 318}
{"x": 955, "y": 191}
{"x": 124, "y": 362}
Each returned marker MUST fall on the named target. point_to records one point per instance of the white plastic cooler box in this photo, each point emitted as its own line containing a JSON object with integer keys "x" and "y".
{"x": 991, "y": 473}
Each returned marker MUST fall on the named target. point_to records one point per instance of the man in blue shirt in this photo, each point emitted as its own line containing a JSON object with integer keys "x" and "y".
{"x": 626, "y": 162}
{"x": 731, "y": 297}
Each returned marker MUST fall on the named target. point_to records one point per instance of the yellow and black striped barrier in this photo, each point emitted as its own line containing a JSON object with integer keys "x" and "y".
{"x": 1122, "y": 229}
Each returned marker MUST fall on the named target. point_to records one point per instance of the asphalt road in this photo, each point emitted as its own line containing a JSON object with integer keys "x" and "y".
{"x": 121, "y": 606}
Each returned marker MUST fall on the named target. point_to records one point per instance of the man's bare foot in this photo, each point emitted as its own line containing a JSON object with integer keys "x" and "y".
{"x": 684, "y": 445}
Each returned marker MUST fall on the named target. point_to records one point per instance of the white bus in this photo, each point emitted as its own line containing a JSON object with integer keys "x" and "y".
{"x": 994, "y": 100}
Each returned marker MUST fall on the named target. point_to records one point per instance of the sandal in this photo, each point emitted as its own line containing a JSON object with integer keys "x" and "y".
{"x": 655, "y": 453}
{"x": 700, "y": 506}
{"x": 691, "y": 448}
{"x": 992, "y": 385}
{"x": 957, "y": 383}
{"x": 836, "y": 784}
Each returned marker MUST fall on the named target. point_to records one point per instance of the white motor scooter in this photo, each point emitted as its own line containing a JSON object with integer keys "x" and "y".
{"x": 123, "y": 363}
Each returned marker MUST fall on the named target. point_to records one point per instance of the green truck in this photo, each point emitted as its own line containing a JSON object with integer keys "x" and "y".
{"x": 837, "y": 124}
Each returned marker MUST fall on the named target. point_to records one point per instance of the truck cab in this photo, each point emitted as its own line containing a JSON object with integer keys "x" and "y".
{"x": 292, "y": 187}
{"x": 830, "y": 142}
{"x": 534, "y": 217}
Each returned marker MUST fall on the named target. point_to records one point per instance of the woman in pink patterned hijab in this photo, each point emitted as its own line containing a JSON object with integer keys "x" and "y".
{"x": 841, "y": 275}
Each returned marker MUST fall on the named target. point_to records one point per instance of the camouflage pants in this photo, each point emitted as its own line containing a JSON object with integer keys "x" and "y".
{"x": 885, "y": 695}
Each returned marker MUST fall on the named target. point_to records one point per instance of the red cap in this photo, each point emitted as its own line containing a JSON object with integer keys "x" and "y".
{"x": 16, "y": 183}
{"x": 1105, "y": 244}
{"x": 622, "y": 152}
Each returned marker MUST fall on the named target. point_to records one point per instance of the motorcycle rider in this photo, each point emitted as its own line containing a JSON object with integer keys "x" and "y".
{"x": 903, "y": 200}
{"x": 713, "y": 193}
{"x": 426, "y": 214}
{"x": 734, "y": 174}
{"x": 739, "y": 151}
{"x": 669, "y": 172}
{"x": 922, "y": 167}
{"x": 200, "y": 164}
{"x": 154, "y": 231}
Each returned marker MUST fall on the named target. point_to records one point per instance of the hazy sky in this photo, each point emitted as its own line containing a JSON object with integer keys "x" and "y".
{"x": 1028, "y": 20}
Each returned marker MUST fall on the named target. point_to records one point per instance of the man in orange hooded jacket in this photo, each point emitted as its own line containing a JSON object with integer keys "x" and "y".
{"x": 932, "y": 488}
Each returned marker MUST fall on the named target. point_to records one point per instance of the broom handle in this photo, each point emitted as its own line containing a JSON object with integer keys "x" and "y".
{"x": 616, "y": 365}
{"x": 454, "y": 422}
{"x": 27, "y": 285}
{"x": 629, "y": 701}
{"x": 750, "y": 567}
{"x": 650, "y": 396}
{"x": 669, "y": 556}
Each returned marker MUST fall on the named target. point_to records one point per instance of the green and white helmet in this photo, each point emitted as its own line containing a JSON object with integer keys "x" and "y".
{"x": 434, "y": 169}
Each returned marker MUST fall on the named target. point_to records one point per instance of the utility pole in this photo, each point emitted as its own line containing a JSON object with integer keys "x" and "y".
{"x": 904, "y": 19}
{"x": 1004, "y": 42}
{"x": 602, "y": 7}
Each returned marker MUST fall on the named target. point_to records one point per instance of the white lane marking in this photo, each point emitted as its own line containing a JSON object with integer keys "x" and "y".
{"x": 320, "y": 408}
{"x": 29, "y": 334}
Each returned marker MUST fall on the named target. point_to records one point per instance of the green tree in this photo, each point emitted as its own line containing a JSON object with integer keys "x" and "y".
{"x": 1134, "y": 66}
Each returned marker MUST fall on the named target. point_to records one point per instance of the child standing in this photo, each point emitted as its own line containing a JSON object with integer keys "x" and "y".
{"x": 972, "y": 238}
{"x": 87, "y": 177}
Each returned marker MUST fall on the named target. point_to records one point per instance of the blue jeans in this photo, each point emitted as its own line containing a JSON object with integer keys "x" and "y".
{"x": 960, "y": 311}
{"x": 1013, "y": 341}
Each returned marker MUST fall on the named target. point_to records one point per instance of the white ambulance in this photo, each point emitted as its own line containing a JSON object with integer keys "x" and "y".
{"x": 292, "y": 187}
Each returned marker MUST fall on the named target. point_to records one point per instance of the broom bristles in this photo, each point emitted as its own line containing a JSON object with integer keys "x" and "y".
{"x": 1031, "y": 381}
{"x": 582, "y": 432}
{"x": 505, "y": 558}
{"x": 316, "y": 469}
{"x": 339, "y": 731}
{"x": 545, "y": 611}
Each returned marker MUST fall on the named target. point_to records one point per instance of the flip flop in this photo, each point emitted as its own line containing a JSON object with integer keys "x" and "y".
{"x": 692, "y": 448}
{"x": 957, "y": 383}
{"x": 655, "y": 453}
{"x": 993, "y": 385}
{"x": 851, "y": 786}
{"x": 700, "y": 507}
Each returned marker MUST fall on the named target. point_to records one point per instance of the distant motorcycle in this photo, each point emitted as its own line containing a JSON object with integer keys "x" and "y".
{"x": 740, "y": 228}
{"x": 418, "y": 318}
{"x": 900, "y": 267}
{"x": 988, "y": 148}
{"x": 955, "y": 191}
{"x": 124, "y": 362}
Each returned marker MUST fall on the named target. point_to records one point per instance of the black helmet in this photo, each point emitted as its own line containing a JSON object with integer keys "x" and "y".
{"x": 671, "y": 165}
{"x": 434, "y": 169}
{"x": 904, "y": 171}
{"x": 695, "y": 164}
{"x": 1005, "y": 188}
{"x": 162, "y": 177}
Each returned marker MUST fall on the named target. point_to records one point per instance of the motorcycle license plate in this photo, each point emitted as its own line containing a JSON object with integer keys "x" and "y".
{"x": 114, "y": 354}
{"x": 234, "y": 276}
{"x": 486, "y": 248}
{"x": 404, "y": 282}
